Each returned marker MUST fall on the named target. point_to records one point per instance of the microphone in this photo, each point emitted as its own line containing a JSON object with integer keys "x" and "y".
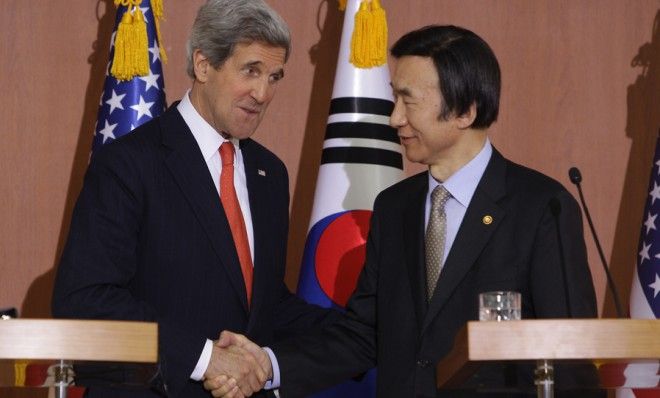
{"x": 576, "y": 178}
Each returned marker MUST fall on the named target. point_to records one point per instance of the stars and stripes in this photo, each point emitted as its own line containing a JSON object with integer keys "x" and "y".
{"x": 125, "y": 105}
{"x": 645, "y": 290}
{"x": 645, "y": 295}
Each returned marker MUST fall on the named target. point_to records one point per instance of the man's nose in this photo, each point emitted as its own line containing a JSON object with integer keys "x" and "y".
{"x": 398, "y": 116}
{"x": 261, "y": 91}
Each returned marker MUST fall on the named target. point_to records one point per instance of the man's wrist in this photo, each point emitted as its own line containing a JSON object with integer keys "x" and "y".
{"x": 203, "y": 362}
{"x": 274, "y": 381}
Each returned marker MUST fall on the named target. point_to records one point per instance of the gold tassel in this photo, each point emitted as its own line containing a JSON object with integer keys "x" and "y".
{"x": 369, "y": 39}
{"x": 359, "y": 49}
{"x": 141, "y": 50}
{"x": 379, "y": 38}
{"x": 157, "y": 9}
{"x": 119, "y": 61}
{"x": 20, "y": 366}
{"x": 131, "y": 57}
{"x": 342, "y": 5}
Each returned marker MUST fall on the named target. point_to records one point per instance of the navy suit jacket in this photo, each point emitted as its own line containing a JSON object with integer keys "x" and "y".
{"x": 534, "y": 245}
{"x": 149, "y": 241}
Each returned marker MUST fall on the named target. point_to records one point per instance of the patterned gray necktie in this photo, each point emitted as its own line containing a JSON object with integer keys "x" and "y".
{"x": 436, "y": 231}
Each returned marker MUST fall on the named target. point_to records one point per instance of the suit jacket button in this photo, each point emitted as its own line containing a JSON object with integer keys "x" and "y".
{"x": 423, "y": 363}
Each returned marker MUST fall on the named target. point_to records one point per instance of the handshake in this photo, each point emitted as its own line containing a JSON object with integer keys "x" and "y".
{"x": 238, "y": 367}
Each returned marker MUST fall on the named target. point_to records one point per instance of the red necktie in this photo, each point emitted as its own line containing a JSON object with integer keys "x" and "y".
{"x": 234, "y": 215}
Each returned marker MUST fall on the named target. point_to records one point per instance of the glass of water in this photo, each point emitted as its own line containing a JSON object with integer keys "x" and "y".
{"x": 499, "y": 306}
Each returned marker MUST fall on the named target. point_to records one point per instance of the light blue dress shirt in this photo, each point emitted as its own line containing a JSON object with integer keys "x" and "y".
{"x": 461, "y": 185}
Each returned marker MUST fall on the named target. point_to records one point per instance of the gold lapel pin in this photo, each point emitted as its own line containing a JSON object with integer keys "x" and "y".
{"x": 487, "y": 220}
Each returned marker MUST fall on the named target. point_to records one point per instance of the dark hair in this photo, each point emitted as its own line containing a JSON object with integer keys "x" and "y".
{"x": 467, "y": 69}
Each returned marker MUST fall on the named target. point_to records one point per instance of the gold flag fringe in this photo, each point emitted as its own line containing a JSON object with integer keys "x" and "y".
{"x": 369, "y": 40}
{"x": 131, "y": 57}
{"x": 157, "y": 9}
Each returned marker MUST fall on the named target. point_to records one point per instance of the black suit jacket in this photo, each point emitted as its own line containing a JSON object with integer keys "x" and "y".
{"x": 150, "y": 241}
{"x": 534, "y": 245}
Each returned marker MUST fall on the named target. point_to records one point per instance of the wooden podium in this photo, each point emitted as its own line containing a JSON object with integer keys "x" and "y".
{"x": 546, "y": 341}
{"x": 77, "y": 340}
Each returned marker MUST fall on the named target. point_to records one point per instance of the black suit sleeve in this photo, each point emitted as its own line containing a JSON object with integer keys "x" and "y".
{"x": 98, "y": 265}
{"x": 559, "y": 270}
{"x": 99, "y": 259}
{"x": 343, "y": 350}
{"x": 292, "y": 315}
{"x": 561, "y": 284}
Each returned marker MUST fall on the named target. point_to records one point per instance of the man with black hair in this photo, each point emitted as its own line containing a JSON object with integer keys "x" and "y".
{"x": 474, "y": 222}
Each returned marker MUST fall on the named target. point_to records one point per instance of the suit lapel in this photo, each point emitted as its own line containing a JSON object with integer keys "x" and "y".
{"x": 473, "y": 234}
{"x": 413, "y": 237}
{"x": 187, "y": 166}
{"x": 257, "y": 184}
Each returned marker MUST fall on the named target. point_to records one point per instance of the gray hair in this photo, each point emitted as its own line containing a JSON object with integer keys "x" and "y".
{"x": 221, "y": 24}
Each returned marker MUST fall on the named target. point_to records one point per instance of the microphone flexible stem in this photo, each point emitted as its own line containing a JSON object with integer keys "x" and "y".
{"x": 610, "y": 281}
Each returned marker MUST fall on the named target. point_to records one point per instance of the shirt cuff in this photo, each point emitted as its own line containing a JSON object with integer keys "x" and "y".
{"x": 203, "y": 362}
{"x": 275, "y": 382}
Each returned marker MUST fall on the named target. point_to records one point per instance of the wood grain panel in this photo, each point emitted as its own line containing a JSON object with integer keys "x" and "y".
{"x": 617, "y": 340}
{"x": 82, "y": 340}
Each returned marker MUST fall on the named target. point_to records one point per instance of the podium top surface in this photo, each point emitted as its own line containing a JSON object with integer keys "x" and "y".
{"x": 82, "y": 340}
{"x": 563, "y": 339}
{"x": 603, "y": 340}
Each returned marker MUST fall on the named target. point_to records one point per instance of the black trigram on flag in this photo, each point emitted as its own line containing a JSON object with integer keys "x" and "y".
{"x": 357, "y": 126}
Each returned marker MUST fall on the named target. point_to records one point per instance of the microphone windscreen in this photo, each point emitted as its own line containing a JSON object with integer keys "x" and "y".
{"x": 575, "y": 175}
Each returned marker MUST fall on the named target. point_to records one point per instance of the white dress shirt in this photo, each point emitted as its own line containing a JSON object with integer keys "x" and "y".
{"x": 209, "y": 141}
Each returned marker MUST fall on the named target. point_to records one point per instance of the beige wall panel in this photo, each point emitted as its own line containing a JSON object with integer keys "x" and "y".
{"x": 571, "y": 96}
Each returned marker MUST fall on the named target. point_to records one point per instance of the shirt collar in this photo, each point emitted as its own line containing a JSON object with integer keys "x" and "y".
{"x": 462, "y": 184}
{"x": 208, "y": 139}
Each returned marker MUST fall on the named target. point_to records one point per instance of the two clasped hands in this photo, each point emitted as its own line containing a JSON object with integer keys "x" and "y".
{"x": 238, "y": 367}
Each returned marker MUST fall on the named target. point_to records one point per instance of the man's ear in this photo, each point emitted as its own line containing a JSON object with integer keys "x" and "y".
{"x": 465, "y": 120}
{"x": 201, "y": 65}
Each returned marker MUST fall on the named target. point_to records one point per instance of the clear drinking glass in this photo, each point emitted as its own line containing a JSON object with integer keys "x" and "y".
{"x": 499, "y": 306}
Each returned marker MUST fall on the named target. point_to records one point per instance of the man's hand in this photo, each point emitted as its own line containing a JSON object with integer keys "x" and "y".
{"x": 237, "y": 367}
{"x": 228, "y": 339}
{"x": 226, "y": 384}
{"x": 223, "y": 386}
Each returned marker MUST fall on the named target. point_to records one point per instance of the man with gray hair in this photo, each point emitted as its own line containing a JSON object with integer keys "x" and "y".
{"x": 184, "y": 221}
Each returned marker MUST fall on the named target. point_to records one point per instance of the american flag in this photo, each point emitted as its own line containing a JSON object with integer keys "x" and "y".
{"x": 124, "y": 105}
{"x": 127, "y": 104}
{"x": 644, "y": 299}
{"x": 645, "y": 291}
